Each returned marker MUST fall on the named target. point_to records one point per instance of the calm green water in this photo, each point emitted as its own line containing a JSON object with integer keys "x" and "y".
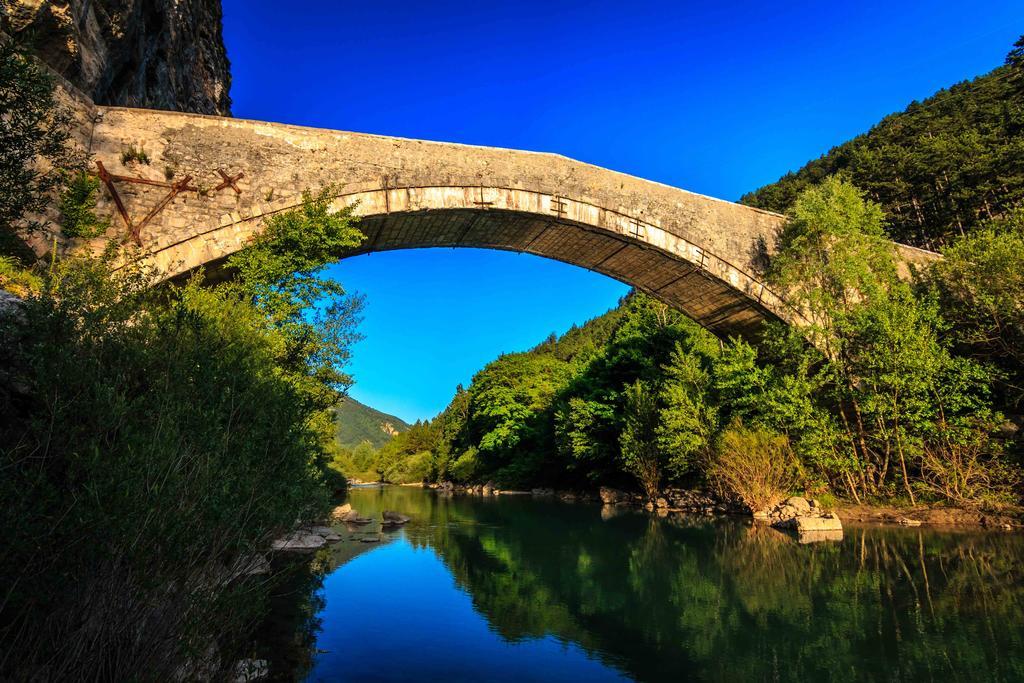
{"x": 519, "y": 589}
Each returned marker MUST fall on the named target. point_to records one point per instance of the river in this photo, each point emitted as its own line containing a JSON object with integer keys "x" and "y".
{"x": 514, "y": 588}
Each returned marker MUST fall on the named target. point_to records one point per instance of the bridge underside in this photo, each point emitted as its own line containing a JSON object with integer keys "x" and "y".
{"x": 679, "y": 283}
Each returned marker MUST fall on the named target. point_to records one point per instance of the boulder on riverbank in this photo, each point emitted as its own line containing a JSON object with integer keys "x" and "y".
{"x": 307, "y": 539}
{"x": 299, "y": 541}
{"x": 807, "y": 518}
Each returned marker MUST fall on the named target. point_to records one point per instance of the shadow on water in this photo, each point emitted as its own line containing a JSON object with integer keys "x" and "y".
{"x": 515, "y": 588}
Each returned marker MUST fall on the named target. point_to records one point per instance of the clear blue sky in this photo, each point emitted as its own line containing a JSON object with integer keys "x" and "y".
{"x": 716, "y": 97}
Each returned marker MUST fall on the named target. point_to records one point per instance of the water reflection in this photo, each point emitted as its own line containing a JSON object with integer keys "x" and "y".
{"x": 513, "y": 588}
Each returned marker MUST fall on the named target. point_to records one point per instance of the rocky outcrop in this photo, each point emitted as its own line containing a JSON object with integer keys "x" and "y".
{"x": 155, "y": 54}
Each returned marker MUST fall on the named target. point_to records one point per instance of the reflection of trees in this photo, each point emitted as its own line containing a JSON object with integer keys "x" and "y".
{"x": 689, "y": 598}
{"x": 692, "y": 598}
{"x": 287, "y": 636}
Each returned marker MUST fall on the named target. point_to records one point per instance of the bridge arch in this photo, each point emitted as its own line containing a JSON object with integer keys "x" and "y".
{"x": 708, "y": 288}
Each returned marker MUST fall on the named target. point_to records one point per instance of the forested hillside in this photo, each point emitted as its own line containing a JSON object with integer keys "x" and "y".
{"x": 358, "y": 423}
{"x": 940, "y": 168}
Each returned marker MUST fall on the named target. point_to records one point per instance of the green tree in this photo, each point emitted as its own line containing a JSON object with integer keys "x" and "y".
{"x": 281, "y": 273}
{"x": 883, "y": 357}
{"x": 642, "y": 455}
{"x": 980, "y": 283}
{"x": 688, "y": 420}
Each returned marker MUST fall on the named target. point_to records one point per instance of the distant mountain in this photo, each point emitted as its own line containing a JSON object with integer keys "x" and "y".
{"x": 357, "y": 423}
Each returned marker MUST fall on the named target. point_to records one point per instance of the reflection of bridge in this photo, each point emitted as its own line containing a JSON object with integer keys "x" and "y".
{"x": 210, "y": 181}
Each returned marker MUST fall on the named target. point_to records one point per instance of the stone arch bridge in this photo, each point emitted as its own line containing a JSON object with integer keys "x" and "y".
{"x": 208, "y": 183}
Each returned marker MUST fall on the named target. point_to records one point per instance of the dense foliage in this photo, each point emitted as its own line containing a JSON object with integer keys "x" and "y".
{"x": 153, "y": 440}
{"x": 939, "y": 168}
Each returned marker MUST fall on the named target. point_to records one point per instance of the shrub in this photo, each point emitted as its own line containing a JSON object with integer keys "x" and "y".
{"x": 133, "y": 155}
{"x": 77, "y": 207}
{"x": 146, "y": 446}
{"x": 756, "y": 464}
{"x": 963, "y": 466}
{"x": 641, "y": 453}
{"x": 17, "y": 279}
{"x": 149, "y": 440}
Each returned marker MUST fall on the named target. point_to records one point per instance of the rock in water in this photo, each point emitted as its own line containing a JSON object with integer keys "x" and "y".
{"x": 392, "y": 518}
{"x": 299, "y": 541}
{"x": 610, "y": 496}
{"x": 351, "y": 516}
{"x": 827, "y": 522}
{"x": 807, "y": 518}
{"x": 806, "y": 537}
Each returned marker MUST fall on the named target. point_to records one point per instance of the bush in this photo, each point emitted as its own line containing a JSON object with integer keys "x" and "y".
{"x": 148, "y": 440}
{"x": 642, "y": 455}
{"x": 151, "y": 438}
{"x": 77, "y": 207}
{"x": 758, "y": 465}
{"x": 134, "y": 155}
{"x": 17, "y": 279}
{"x": 964, "y": 467}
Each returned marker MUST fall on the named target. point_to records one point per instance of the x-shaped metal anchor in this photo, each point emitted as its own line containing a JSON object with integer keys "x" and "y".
{"x": 229, "y": 181}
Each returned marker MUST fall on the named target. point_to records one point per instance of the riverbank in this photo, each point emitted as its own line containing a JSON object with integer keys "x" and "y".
{"x": 1009, "y": 518}
{"x": 706, "y": 502}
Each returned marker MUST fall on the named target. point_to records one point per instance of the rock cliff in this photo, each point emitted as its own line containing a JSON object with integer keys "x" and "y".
{"x": 157, "y": 54}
